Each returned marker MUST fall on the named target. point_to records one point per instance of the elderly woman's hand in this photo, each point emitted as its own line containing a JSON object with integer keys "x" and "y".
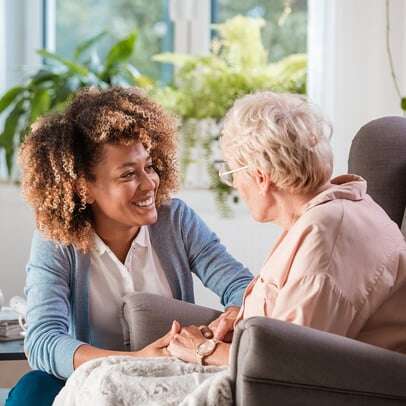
{"x": 184, "y": 344}
{"x": 223, "y": 326}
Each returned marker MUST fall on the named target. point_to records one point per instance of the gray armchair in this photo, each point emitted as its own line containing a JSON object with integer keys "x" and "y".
{"x": 274, "y": 362}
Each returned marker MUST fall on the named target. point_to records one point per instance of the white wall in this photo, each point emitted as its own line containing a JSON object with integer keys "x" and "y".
{"x": 349, "y": 75}
{"x": 16, "y": 227}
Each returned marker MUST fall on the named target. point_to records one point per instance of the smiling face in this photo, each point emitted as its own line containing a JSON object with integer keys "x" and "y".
{"x": 122, "y": 195}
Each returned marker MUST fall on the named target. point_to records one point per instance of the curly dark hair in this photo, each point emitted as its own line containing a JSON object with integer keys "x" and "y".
{"x": 63, "y": 148}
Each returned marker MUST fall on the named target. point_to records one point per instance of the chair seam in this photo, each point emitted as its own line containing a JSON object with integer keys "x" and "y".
{"x": 323, "y": 388}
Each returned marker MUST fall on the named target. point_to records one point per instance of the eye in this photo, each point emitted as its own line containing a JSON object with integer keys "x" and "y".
{"x": 127, "y": 175}
{"x": 149, "y": 167}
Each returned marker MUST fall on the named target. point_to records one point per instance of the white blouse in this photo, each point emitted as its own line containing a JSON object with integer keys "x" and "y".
{"x": 110, "y": 280}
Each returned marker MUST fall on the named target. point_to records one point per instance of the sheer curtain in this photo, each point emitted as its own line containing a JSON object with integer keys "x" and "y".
{"x": 349, "y": 73}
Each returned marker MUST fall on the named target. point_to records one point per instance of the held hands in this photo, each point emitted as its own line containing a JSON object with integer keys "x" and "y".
{"x": 159, "y": 347}
{"x": 182, "y": 342}
{"x": 183, "y": 345}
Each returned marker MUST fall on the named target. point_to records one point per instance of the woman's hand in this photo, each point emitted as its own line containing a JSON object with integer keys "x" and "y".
{"x": 184, "y": 344}
{"x": 223, "y": 326}
{"x": 159, "y": 347}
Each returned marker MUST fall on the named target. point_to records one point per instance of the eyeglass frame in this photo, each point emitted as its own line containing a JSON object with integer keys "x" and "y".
{"x": 222, "y": 174}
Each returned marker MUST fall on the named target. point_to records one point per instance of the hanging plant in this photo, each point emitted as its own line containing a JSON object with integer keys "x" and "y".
{"x": 205, "y": 87}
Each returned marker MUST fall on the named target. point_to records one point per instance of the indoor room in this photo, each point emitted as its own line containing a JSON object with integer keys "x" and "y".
{"x": 202, "y": 202}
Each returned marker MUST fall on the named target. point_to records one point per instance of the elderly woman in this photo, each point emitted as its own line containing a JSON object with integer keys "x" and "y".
{"x": 99, "y": 177}
{"x": 340, "y": 262}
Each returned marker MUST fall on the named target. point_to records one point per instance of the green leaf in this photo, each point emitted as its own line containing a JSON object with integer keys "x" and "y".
{"x": 172, "y": 58}
{"x": 8, "y": 135}
{"x": 132, "y": 70}
{"x": 40, "y": 104}
{"x": 10, "y": 96}
{"x": 43, "y": 75}
{"x": 403, "y": 103}
{"x": 84, "y": 46}
{"x": 121, "y": 51}
{"x": 94, "y": 63}
{"x": 72, "y": 66}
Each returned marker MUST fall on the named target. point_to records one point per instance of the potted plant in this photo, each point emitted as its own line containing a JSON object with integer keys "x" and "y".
{"x": 51, "y": 87}
{"x": 205, "y": 87}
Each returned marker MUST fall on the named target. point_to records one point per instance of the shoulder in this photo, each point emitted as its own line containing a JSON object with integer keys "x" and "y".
{"x": 326, "y": 217}
{"x": 42, "y": 244}
{"x": 174, "y": 211}
{"x": 309, "y": 245}
{"x": 171, "y": 207}
{"x": 177, "y": 219}
{"x": 47, "y": 251}
{"x": 317, "y": 229}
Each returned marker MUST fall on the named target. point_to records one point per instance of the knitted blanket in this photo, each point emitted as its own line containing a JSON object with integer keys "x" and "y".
{"x": 125, "y": 381}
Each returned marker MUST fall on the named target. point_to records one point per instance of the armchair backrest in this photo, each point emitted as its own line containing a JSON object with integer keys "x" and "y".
{"x": 378, "y": 154}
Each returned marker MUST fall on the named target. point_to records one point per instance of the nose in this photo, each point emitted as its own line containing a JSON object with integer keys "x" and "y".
{"x": 148, "y": 181}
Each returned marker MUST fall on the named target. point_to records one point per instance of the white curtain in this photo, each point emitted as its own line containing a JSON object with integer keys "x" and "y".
{"x": 349, "y": 75}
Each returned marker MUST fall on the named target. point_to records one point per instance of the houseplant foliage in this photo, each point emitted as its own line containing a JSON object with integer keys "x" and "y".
{"x": 205, "y": 87}
{"x": 51, "y": 87}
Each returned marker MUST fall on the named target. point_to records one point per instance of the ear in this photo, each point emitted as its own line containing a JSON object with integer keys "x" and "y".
{"x": 263, "y": 181}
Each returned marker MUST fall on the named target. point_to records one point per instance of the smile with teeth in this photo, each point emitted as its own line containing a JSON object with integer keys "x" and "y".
{"x": 145, "y": 203}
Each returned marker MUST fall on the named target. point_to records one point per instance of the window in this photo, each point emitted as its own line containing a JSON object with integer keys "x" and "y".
{"x": 77, "y": 21}
{"x": 285, "y": 32}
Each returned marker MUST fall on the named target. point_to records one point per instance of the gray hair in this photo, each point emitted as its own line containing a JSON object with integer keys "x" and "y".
{"x": 282, "y": 135}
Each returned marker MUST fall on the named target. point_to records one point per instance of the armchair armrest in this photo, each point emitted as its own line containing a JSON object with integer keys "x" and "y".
{"x": 147, "y": 317}
{"x": 291, "y": 365}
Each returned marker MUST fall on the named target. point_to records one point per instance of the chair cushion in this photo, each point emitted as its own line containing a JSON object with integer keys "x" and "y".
{"x": 147, "y": 317}
{"x": 275, "y": 359}
{"x": 378, "y": 155}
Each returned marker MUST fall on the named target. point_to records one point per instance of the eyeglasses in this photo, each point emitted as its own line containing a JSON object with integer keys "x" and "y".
{"x": 226, "y": 174}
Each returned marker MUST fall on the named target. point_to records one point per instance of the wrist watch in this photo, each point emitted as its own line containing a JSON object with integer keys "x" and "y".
{"x": 205, "y": 349}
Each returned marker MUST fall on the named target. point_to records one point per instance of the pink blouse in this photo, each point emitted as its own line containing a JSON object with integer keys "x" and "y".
{"x": 341, "y": 268}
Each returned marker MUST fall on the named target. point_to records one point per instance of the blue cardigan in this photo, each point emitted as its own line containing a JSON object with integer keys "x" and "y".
{"x": 57, "y": 283}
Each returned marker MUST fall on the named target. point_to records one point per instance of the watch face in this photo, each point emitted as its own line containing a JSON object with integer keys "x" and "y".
{"x": 206, "y": 347}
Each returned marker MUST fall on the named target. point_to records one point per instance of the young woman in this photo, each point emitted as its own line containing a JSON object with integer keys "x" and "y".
{"x": 99, "y": 177}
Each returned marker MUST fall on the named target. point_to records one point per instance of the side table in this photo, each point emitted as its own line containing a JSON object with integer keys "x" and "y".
{"x": 12, "y": 350}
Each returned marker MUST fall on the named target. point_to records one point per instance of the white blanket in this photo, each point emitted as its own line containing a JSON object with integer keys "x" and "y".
{"x": 125, "y": 381}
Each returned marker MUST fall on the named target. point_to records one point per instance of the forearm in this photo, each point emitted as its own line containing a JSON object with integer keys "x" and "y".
{"x": 220, "y": 355}
{"x": 87, "y": 352}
